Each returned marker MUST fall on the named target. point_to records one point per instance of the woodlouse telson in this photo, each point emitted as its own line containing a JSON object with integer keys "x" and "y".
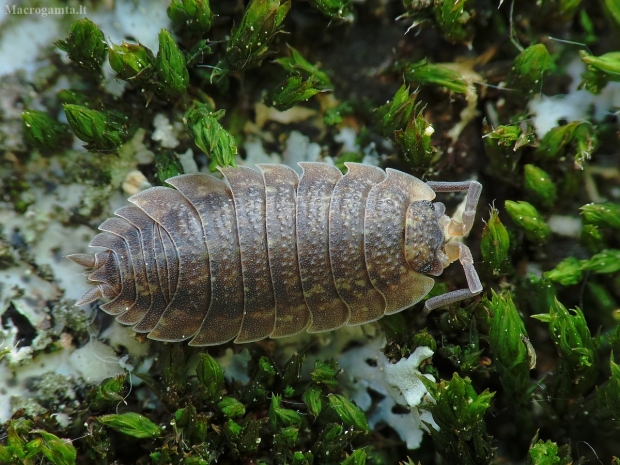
{"x": 269, "y": 254}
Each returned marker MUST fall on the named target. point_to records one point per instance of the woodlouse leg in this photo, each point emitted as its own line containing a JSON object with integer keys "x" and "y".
{"x": 458, "y": 251}
{"x": 473, "y": 189}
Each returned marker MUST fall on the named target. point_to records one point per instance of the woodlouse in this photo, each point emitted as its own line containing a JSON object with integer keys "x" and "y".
{"x": 269, "y": 254}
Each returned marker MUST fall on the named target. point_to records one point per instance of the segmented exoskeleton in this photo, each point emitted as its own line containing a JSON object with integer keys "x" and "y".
{"x": 269, "y": 254}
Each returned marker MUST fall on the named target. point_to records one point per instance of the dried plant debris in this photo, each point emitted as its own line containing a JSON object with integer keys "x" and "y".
{"x": 102, "y": 100}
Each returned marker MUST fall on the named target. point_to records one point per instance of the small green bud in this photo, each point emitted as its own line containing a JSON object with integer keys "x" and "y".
{"x": 300, "y": 458}
{"x": 593, "y": 80}
{"x": 515, "y": 136}
{"x": 6, "y": 454}
{"x": 185, "y": 416}
{"x": 312, "y": 399}
{"x": 108, "y": 393}
{"x": 285, "y": 438}
{"x": 281, "y": 417}
{"x": 548, "y": 453}
{"x": 505, "y": 135}
{"x": 171, "y": 68}
{"x": 56, "y": 450}
{"x": 101, "y": 130}
{"x": 459, "y": 412}
{"x": 16, "y": 447}
{"x": 231, "y": 407}
{"x": 424, "y": 339}
{"x": 334, "y": 115}
{"x": 232, "y": 430}
{"x": 326, "y": 372}
{"x": 539, "y": 186}
{"x": 296, "y": 63}
{"x": 210, "y": 136}
{"x": 424, "y": 72}
{"x": 567, "y": 272}
{"x": 193, "y": 16}
{"x": 250, "y": 40}
{"x": 528, "y": 69}
{"x": 71, "y": 96}
{"x": 266, "y": 371}
{"x": 358, "y": 457}
{"x": 605, "y": 214}
{"x": 502, "y": 146}
{"x": 605, "y": 262}
{"x": 415, "y": 139}
{"x": 85, "y": 46}
{"x": 579, "y": 135}
{"x": 337, "y": 9}
{"x": 507, "y": 338}
{"x": 349, "y": 413}
{"x": 44, "y": 132}
{"x": 608, "y": 63}
{"x": 527, "y": 218}
{"x": 592, "y": 238}
{"x": 330, "y": 432}
{"x": 132, "y": 62}
{"x": 495, "y": 243}
{"x": 210, "y": 376}
{"x": 294, "y": 89}
{"x": 395, "y": 114}
{"x": 571, "y": 336}
{"x": 131, "y": 424}
{"x": 453, "y": 20}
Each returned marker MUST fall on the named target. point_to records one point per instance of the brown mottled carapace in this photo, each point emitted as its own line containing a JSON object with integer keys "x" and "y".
{"x": 269, "y": 254}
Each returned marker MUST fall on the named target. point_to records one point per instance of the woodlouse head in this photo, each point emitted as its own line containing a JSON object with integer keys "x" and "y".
{"x": 424, "y": 239}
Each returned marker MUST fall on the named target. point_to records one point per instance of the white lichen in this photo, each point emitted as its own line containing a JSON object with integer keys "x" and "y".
{"x": 348, "y": 138}
{"x": 576, "y": 105}
{"x": 299, "y": 148}
{"x": 402, "y": 378}
{"x": 165, "y": 133}
{"x": 187, "y": 162}
{"x": 235, "y": 366}
{"x": 564, "y": 225}
{"x": 255, "y": 154}
{"x": 367, "y": 368}
{"x": 95, "y": 362}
